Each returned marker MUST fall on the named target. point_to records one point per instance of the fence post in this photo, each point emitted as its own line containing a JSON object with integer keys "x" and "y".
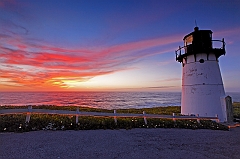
{"x": 77, "y": 114}
{"x": 115, "y": 117}
{"x": 198, "y": 120}
{"x": 217, "y": 118}
{"x": 174, "y": 119}
{"x": 144, "y": 117}
{"x": 28, "y": 114}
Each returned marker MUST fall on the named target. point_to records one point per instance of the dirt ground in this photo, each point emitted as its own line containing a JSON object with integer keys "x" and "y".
{"x": 127, "y": 144}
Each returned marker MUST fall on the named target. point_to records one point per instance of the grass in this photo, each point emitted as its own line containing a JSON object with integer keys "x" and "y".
{"x": 156, "y": 110}
{"x": 236, "y": 110}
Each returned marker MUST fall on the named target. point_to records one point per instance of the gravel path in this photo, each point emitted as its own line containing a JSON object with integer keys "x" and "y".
{"x": 135, "y": 143}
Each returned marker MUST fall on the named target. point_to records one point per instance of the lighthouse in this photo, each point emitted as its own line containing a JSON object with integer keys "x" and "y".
{"x": 202, "y": 86}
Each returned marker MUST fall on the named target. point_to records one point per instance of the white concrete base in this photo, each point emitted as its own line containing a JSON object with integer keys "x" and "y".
{"x": 202, "y": 87}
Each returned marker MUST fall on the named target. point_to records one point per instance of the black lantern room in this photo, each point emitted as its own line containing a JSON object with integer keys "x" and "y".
{"x": 199, "y": 41}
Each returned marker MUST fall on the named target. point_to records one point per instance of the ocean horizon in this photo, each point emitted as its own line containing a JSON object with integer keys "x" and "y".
{"x": 104, "y": 100}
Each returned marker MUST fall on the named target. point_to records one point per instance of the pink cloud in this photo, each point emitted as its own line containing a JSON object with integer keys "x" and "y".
{"x": 227, "y": 32}
{"x": 5, "y": 3}
{"x": 39, "y": 65}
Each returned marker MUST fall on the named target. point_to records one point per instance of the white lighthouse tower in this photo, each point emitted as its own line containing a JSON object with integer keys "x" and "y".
{"x": 202, "y": 87}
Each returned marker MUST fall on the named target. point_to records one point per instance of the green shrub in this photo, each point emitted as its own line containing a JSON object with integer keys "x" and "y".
{"x": 236, "y": 110}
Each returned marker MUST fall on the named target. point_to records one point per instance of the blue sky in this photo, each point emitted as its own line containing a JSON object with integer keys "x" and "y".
{"x": 108, "y": 45}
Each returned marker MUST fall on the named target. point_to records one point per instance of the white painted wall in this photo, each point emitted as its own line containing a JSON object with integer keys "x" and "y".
{"x": 202, "y": 87}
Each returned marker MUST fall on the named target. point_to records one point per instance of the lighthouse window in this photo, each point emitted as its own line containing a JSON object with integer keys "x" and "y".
{"x": 201, "y": 61}
{"x": 188, "y": 40}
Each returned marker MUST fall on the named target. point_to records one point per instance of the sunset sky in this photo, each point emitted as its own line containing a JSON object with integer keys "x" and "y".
{"x": 109, "y": 45}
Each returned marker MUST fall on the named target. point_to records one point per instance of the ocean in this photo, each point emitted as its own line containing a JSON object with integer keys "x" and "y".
{"x": 105, "y": 100}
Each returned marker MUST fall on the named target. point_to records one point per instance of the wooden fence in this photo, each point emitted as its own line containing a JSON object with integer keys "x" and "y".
{"x": 115, "y": 115}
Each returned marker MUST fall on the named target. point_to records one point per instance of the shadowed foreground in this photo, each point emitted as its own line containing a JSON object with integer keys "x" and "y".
{"x": 135, "y": 143}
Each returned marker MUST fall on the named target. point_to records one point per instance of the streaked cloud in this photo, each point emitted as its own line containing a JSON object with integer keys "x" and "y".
{"x": 36, "y": 64}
